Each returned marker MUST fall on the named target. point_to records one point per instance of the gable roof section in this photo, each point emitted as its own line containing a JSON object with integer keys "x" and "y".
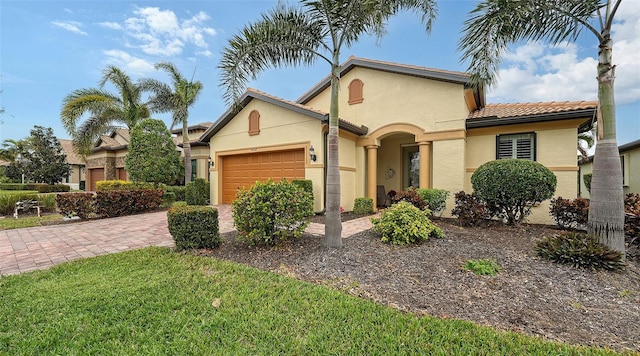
{"x": 200, "y": 126}
{"x": 391, "y": 67}
{"x": 518, "y": 113}
{"x": 72, "y": 156}
{"x": 251, "y": 94}
{"x": 109, "y": 143}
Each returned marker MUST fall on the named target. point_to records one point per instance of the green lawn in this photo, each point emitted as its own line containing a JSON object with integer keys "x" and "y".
{"x": 155, "y": 301}
{"x": 17, "y": 192}
{"x": 29, "y": 221}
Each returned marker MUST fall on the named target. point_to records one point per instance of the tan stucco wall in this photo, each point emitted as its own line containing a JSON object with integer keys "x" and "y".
{"x": 432, "y": 105}
{"x": 555, "y": 149}
{"x": 633, "y": 171}
{"x": 201, "y": 155}
{"x": 586, "y": 168}
{"x": 448, "y": 170}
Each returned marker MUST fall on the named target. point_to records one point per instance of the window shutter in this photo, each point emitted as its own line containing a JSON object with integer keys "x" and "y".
{"x": 525, "y": 148}
{"x": 505, "y": 148}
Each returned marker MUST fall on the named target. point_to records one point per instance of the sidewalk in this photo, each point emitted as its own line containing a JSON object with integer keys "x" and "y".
{"x": 34, "y": 248}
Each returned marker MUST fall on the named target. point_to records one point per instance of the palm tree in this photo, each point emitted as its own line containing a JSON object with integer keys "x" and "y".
{"x": 184, "y": 94}
{"x": 317, "y": 30}
{"x": 105, "y": 109}
{"x": 12, "y": 148}
{"x": 494, "y": 24}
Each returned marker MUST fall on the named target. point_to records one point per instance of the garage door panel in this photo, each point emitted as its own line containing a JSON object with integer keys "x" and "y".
{"x": 242, "y": 171}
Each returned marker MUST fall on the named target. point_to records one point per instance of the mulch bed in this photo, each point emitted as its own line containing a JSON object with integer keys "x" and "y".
{"x": 530, "y": 295}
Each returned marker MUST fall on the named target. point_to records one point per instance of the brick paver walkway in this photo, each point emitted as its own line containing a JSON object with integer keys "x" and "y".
{"x": 28, "y": 249}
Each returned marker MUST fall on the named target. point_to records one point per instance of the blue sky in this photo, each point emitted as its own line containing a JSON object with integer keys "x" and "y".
{"x": 50, "y": 48}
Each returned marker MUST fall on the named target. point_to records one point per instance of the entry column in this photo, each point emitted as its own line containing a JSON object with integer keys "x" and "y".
{"x": 372, "y": 173}
{"x": 425, "y": 164}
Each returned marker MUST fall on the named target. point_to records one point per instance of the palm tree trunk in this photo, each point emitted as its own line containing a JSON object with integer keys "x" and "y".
{"x": 186, "y": 149}
{"x": 333, "y": 224}
{"x": 606, "y": 209}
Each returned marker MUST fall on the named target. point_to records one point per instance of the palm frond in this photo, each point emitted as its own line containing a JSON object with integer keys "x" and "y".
{"x": 283, "y": 37}
{"x": 494, "y": 24}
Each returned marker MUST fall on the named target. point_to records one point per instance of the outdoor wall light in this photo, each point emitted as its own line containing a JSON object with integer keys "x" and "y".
{"x": 312, "y": 154}
{"x": 210, "y": 162}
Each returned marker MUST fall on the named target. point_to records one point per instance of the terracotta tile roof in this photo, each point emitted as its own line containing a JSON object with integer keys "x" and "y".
{"x": 200, "y": 126}
{"x": 108, "y": 141}
{"x": 124, "y": 133}
{"x": 409, "y": 66}
{"x": 259, "y": 92}
{"x": 72, "y": 156}
{"x": 530, "y": 109}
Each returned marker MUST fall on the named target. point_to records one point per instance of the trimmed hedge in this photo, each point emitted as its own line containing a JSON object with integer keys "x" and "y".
{"x": 117, "y": 184}
{"x": 53, "y": 188}
{"x": 13, "y": 186}
{"x": 178, "y": 190}
{"x": 197, "y": 192}
{"x": 112, "y": 203}
{"x": 81, "y": 205}
{"x": 194, "y": 227}
{"x": 363, "y": 206}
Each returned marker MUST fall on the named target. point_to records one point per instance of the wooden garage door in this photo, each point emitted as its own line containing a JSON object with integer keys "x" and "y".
{"x": 244, "y": 170}
{"x": 95, "y": 175}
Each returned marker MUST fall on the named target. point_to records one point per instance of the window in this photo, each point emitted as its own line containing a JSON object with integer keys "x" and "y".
{"x": 355, "y": 92}
{"x": 521, "y": 146}
{"x": 254, "y": 123}
{"x": 194, "y": 169}
{"x": 624, "y": 165}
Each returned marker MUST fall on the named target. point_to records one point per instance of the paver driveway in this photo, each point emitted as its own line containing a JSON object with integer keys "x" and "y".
{"x": 28, "y": 249}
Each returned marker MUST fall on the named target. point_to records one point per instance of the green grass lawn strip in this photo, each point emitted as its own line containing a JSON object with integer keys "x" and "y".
{"x": 155, "y": 301}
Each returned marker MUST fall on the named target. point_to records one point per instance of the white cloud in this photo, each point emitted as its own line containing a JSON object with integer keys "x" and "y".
{"x": 161, "y": 33}
{"x": 128, "y": 62}
{"x": 71, "y": 26}
{"x": 111, "y": 25}
{"x": 537, "y": 72}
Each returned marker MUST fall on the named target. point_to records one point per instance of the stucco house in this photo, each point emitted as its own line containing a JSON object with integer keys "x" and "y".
{"x": 107, "y": 159}
{"x": 400, "y": 126}
{"x": 630, "y": 164}
{"x": 77, "y": 164}
{"x": 199, "y": 150}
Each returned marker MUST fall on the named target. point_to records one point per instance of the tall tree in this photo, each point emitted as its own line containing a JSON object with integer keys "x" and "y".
{"x": 105, "y": 110}
{"x": 176, "y": 99}
{"x": 316, "y": 30}
{"x": 494, "y": 24}
{"x": 152, "y": 155}
{"x": 45, "y": 160}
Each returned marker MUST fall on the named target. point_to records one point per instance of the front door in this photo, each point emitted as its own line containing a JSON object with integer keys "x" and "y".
{"x": 410, "y": 167}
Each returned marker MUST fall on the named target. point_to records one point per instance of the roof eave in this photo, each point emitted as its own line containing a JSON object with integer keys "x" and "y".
{"x": 629, "y": 146}
{"x": 511, "y": 120}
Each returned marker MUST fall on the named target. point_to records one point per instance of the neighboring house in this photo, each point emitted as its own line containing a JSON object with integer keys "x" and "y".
{"x": 77, "y": 176}
{"x": 200, "y": 160}
{"x": 630, "y": 164}
{"x": 400, "y": 126}
{"x": 107, "y": 159}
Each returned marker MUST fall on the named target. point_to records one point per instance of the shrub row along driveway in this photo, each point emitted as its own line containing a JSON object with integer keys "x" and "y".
{"x": 23, "y": 250}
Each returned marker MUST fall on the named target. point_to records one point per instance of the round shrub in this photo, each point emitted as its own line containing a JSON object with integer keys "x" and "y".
{"x": 194, "y": 227}
{"x": 513, "y": 186}
{"x": 363, "y": 206}
{"x": 579, "y": 250}
{"x": 404, "y": 224}
{"x": 270, "y": 212}
{"x": 197, "y": 192}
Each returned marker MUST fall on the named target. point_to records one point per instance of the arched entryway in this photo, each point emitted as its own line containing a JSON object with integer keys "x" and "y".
{"x": 398, "y": 156}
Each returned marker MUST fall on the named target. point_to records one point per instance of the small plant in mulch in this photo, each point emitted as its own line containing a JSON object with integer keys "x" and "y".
{"x": 483, "y": 267}
{"x": 579, "y": 250}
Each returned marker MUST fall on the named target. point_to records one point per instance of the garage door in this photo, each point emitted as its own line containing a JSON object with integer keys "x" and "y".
{"x": 244, "y": 170}
{"x": 95, "y": 175}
